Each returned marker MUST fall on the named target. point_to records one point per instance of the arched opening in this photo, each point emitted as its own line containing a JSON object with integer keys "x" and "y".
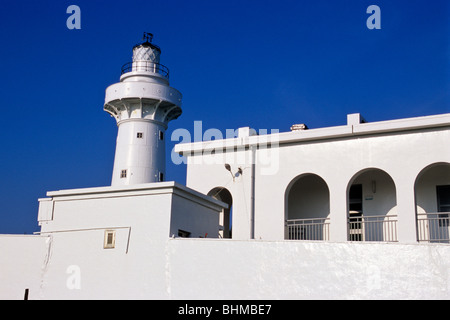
{"x": 372, "y": 207}
{"x": 432, "y": 191}
{"x": 307, "y": 208}
{"x": 225, "y": 219}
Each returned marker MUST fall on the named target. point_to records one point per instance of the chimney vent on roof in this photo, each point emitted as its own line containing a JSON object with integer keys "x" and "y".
{"x": 299, "y": 127}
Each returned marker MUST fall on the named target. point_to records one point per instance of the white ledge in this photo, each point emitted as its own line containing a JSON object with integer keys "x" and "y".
{"x": 349, "y": 130}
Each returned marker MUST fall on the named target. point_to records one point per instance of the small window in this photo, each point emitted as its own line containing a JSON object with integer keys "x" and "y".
{"x": 161, "y": 177}
{"x": 139, "y": 135}
{"x": 123, "y": 174}
{"x": 110, "y": 239}
{"x": 183, "y": 234}
{"x": 161, "y": 135}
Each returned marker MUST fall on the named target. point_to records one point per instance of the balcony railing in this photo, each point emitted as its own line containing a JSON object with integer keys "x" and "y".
{"x": 146, "y": 66}
{"x": 373, "y": 228}
{"x": 308, "y": 229}
{"x": 433, "y": 227}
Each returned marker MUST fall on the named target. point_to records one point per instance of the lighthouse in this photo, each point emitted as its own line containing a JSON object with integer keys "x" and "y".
{"x": 142, "y": 103}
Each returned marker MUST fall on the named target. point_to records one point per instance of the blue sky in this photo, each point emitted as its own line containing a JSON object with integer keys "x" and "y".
{"x": 263, "y": 64}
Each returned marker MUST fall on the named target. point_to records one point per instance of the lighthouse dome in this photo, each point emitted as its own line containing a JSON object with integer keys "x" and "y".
{"x": 146, "y": 51}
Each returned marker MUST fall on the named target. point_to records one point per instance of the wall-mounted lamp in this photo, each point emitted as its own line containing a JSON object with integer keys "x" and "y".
{"x": 228, "y": 167}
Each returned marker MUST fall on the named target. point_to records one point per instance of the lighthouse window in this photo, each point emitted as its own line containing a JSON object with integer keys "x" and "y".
{"x": 123, "y": 174}
{"x": 161, "y": 135}
{"x": 161, "y": 177}
{"x": 139, "y": 135}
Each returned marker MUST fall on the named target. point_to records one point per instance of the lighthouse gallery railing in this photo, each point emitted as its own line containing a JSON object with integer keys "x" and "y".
{"x": 147, "y": 66}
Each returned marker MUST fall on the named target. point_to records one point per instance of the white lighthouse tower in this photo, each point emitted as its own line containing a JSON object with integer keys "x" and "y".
{"x": 142, "y": 103}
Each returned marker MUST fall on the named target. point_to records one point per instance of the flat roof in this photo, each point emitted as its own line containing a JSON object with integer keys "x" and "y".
{"x": 351, "y": 129}
{"x": 134, "y": 190}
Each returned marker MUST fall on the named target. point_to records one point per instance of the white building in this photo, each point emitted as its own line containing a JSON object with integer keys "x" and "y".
{"x": 358, "y": 211}
{"x": 384, "y": 181}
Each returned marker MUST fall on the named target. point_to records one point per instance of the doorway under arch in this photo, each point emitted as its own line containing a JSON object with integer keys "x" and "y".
{"x": 225, "y": 219}
{"x": 372, "y": 206}
{"x": 307, "y": 208}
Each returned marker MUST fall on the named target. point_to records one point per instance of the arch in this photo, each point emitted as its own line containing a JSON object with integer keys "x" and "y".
{"x": 307, "y": 208}
{"x": 225, "y": 219}
{"x": 441, "y": 167}
{"x": 432, "y": 202}
{"x": 372, "y": 206}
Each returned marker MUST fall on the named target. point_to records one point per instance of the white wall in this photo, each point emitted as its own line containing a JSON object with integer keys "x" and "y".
{"x": 200, "y": 220}
{"x": 219, "y": 269}
{"x": 147, "y": 264}
{"x": 23, "y": 259}
{"x": 140, "y": 218}
{"x": 230, "y": 269}
{"x": 210, "y": 173}
{"x": 143, "y": 217}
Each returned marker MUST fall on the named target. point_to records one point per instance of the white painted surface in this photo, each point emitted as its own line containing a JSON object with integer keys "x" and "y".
{"x": 23, "y": 261}
{"x": 142, "y": 157}
{"x": 143, "y": 218}
{"x": 400, "y": 148}
{"x": 74, "y": 265}
{"x": 142, "y": 103}
{"x": 231, "y": 269}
